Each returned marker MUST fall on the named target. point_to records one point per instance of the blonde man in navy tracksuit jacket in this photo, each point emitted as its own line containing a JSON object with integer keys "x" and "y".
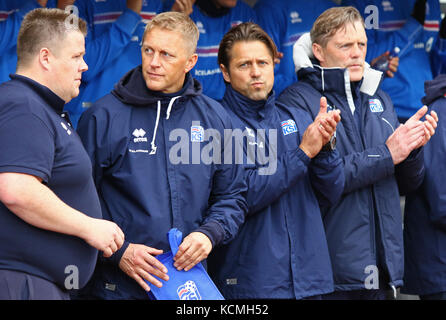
{"x": 152, "y": 142}
{"x": 381, "y": 157}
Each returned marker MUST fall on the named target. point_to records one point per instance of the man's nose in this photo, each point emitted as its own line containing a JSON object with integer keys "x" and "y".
{"x": 255, "y": 71}
{"x": 356, "y": 51}
{"x": 84, "y": 66}
{"x": 155, "y": 60}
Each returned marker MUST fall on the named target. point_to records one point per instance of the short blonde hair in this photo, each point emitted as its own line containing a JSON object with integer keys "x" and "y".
{"x": 332, "y": 20}
{"x": 178, "y": 22}
{"x": 41, "y": 28}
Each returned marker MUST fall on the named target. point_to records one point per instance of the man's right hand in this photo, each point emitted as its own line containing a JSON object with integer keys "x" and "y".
{"x": 139, "y": 263}
{"x": 135, "y": 5}
{"x": 320, "y": 131}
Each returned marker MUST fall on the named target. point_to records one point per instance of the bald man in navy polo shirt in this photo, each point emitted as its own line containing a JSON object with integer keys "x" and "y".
{"x": 50, "y": 216}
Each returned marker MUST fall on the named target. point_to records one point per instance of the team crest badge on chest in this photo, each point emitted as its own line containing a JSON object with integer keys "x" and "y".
{"x": 375, "y": 105}
{"x": 196, "y": 134}
{"x": 288, "y": 127}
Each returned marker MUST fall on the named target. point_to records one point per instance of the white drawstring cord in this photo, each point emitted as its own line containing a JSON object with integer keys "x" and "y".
{"x": 170, "y": 106}
{"x": 153, "y": 151}
{"x": 158, "y": 112}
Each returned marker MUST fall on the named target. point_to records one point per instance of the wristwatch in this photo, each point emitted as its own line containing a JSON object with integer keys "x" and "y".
{"x": 331, "y": 144}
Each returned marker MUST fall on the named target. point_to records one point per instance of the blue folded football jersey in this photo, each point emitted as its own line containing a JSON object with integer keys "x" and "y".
{"x": 194, "y": 284}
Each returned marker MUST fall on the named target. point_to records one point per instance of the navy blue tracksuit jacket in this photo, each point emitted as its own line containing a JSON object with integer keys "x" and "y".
{"x": 150, "y": 155}
{"x": 281, "y": 250}
{"x": 364, "y": 228}
{"x": 425, "y": 209}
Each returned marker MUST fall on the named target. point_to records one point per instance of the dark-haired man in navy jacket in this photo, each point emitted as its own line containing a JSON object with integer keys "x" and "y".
{"x": 281, "y": 250}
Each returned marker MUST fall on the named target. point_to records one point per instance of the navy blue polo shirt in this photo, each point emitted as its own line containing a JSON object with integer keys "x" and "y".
{"x": 36, "y": 138}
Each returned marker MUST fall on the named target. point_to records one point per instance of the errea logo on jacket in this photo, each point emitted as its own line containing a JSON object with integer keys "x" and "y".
{"x": 200, "y": 27}
{"x": 139, "y": 135}
{"x": 387, "y": 6}
{"x": 295, "y": 18}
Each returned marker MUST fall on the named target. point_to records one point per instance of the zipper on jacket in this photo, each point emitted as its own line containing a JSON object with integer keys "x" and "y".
{"x": 372, "y": 225}
{"x": 385, "y": 120}
{"x": 394, "y": 291}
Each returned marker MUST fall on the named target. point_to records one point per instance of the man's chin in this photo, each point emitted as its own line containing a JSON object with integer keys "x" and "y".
{"x": 257, "y": 97}
{"x": 356, "y": 76}
{"x": 153, "y": 86}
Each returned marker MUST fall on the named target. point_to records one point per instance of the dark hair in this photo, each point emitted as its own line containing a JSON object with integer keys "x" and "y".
{"x": 247, "y": 31}
{"x": 45, "y": 28}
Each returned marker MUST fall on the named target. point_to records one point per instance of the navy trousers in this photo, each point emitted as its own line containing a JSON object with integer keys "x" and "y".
{"x": 16, "y": 285}
{"x": 373, "y": 294}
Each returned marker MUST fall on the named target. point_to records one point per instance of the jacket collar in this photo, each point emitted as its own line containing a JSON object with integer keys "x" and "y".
{"x": 131, "y": 89}
{"x": 434, "y": 89}
{"x": 330, "y": 79}
{"x": 247, "y": 108}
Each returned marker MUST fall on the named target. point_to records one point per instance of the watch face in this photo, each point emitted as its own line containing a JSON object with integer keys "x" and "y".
{"x": 333, "y": 142}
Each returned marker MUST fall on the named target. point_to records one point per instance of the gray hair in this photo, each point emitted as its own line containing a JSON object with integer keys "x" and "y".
{"x": 332, "y": 20}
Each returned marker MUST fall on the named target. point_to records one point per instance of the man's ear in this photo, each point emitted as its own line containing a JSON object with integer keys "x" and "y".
{"x": 191, "y": 62}
{"x": 318, "y": 52}
{"x": 45, "y": 58}
{"x": 225, "y": 73}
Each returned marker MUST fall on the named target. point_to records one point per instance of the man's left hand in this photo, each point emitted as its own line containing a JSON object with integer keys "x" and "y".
{"x": 430, "y": 125}
{"x": 194, "y": 248}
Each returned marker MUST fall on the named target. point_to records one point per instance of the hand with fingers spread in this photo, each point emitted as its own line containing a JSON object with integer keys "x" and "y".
{"x": 411, "y": 135}
{"x": 194, "y": 248}
{"x": 184, "y": 6}
{"x": 430, "y": 125}
{"x": 320, "y": 131}
{"x": 104, "y": 235}
{"x": 139, "y": 263}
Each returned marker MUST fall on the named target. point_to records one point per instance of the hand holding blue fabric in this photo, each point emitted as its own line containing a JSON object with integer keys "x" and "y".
{"x": 139, "y": 263}
{"x": 194, "y": 248}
